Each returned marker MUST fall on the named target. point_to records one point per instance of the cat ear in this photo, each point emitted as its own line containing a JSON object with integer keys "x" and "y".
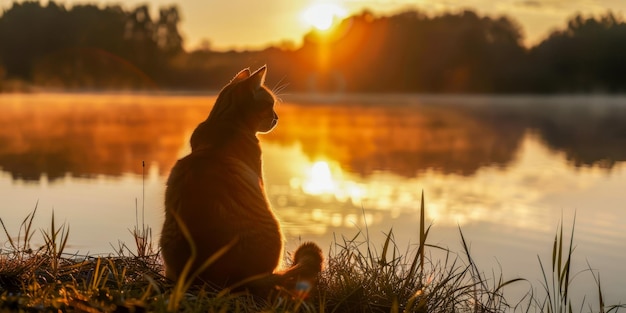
{"x": 257, "y": 79}
{"x": 245, "y": 73}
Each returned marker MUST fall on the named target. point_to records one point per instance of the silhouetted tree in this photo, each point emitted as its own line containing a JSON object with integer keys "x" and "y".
{"x": 29, "y": 31}
{"x": 88, "y": 46}
{"x": 166, "y": 36}
{"x": 587, "y": 56}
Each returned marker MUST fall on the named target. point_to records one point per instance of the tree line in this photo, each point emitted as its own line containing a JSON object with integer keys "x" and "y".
{"x": 89, "y": 47}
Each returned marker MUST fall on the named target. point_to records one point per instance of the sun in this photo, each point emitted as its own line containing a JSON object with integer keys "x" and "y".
{"x": 322, "y": 15}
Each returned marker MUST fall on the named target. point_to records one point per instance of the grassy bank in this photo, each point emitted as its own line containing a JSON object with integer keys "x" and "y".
{"x": 358, "y": 277}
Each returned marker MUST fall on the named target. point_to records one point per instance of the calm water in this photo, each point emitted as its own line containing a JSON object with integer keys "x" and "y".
{"x": 504, "y": 169}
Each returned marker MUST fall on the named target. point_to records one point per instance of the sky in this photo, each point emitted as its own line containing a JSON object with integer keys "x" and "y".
{"x": 253, "y": 24}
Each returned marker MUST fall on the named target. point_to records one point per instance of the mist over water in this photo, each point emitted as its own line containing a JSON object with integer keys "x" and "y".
{"x": 504, "y": 169}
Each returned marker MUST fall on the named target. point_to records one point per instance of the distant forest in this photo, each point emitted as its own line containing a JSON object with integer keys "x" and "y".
{"x": 87, "y": 47}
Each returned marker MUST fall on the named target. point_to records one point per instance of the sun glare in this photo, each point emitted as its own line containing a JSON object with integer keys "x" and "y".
{"x": 320, "y": 179}
{"x": 322, "y": 15}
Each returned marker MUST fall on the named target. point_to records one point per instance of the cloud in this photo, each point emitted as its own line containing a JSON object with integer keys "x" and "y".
{"x": 529, "y": 4}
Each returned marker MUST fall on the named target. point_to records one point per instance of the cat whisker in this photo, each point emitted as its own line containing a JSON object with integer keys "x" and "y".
{"x": 278, "y": 91}
{"x": 281, "y": 88}
{"x": 278, "y": 88}
{"x": 278, "y": 83}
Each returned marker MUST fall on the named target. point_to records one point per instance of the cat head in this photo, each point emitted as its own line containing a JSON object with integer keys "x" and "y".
{"x": 246, "y": 103}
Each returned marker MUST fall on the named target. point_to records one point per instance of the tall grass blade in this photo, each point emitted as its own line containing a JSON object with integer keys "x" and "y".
{"x": 423, "y": 234}
{"x": 367, "y": 237}
{"x": 383, "y": 256}
{"x": 508, "y": 282}
{"x": 560, "y": 250}
{"x": 554, "y": 248}
{"x": 600, "y": 297}
{"x": 27, "y": 225}
{"x": 143, "y": 190}
{"x": 11, "y": 242}
{"x": 569, "y": 258}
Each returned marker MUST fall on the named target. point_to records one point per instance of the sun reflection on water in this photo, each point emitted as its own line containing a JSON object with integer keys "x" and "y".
{"x": 324, "y": 179}
{"x": 319, "y": 195}
{"x": 319, "y": 179}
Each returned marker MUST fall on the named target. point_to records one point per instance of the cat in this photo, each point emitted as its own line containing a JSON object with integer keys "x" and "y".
{"x": 217, "y": 193}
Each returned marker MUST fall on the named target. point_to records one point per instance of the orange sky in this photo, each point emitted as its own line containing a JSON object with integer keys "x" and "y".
{"x": 253, "y": 24}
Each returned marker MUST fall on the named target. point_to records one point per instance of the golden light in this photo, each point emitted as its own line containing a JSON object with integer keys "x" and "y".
{"x": 320, "y": 179}
{"x": 323, "y": 15}
{"x": 324, "y": 179}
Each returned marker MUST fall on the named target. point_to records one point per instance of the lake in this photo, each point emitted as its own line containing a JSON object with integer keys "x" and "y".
{"x": 506, "y": 170}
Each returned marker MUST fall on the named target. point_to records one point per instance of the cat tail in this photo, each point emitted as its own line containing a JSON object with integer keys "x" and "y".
{"x": 300, "y": 278}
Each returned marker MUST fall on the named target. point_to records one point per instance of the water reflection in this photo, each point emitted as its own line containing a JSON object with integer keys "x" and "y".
{"x": 508, "y": 198}
{"x": 454, "y": 135}
{"x": 87, "y": 135}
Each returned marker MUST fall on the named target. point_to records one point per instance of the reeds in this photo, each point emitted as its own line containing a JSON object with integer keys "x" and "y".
{"x": 360, "y": 280}
{"x": 357, "y": 278}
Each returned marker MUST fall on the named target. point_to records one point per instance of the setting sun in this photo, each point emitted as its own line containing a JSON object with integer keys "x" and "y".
{"x": 322, "y": 15}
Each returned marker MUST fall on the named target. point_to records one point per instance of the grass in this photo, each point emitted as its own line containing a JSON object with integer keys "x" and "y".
{"x": 358, "y": 277}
